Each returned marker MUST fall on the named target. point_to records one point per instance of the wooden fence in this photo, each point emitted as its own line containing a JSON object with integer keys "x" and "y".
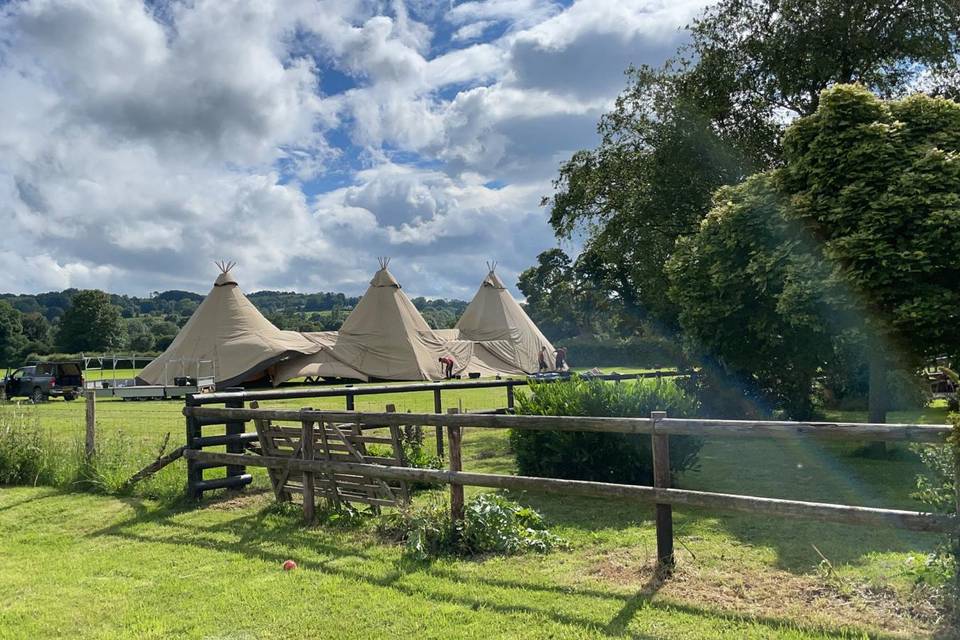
{"x": 236, "y": 438}
{"x": 659, "y": 426}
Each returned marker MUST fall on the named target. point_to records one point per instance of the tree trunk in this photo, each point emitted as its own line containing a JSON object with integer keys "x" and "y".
{"x": 877, "y": 394}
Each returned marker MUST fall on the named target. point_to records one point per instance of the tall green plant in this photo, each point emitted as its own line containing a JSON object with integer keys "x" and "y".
{"x": 607, "y": 457}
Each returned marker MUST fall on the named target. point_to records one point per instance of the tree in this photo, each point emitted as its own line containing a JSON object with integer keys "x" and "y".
{"x": 878, "y": 184}
{"x": 561, "y": 299}
{"x": 12, "y": 340}
{"x": 91, "y": 323}
{"x": 855, "y": 235}
{"x": 744, "y": 287}
{"x": 716, "y": 114}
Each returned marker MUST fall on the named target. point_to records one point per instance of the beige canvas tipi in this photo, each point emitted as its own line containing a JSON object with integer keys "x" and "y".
{"x": 505, "y": 337}
{"x": 226, "y": 337}
{"x": 385, "y": 337}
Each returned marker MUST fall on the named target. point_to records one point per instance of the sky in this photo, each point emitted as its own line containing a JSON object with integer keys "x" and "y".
{"x": 139, "y": 142}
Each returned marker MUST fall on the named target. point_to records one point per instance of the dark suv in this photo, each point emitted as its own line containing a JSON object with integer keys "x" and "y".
{"x": 44, "y": 380}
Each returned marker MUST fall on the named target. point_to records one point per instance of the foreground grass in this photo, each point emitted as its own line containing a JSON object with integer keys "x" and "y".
{"x": 80, "y": 565}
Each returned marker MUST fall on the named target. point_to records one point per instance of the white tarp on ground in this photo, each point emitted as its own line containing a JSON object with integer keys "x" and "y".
{"x": 228, "y": 331}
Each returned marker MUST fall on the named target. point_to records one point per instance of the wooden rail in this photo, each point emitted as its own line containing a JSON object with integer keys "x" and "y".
{"x": 658, "y": 426}
{"x": 929, "y": 434}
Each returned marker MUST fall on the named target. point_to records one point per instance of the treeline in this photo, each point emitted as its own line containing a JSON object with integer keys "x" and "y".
{"x": 780, "y": 199}
{"x": 74, "y": 321}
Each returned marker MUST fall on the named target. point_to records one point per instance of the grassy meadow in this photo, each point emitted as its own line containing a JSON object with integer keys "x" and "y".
{"x": 97, "y": 566}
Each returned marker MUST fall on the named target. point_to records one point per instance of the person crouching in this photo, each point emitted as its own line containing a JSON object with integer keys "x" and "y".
{"x": 447, "y": 363}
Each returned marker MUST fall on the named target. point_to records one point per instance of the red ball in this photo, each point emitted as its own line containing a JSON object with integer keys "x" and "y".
{"x": 289, "y": 565}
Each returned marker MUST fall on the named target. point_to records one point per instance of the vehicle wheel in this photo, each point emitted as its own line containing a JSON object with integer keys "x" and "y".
{"x": 69, "y": 396}
{"x": 37, "y": 396}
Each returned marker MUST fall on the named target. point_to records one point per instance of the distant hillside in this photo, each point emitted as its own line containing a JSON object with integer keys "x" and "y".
{"x": 150, "y": 324}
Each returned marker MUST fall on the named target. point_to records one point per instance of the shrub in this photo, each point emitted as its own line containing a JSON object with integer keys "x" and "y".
{"x": 606, "y": 457}
{"x": 938, "y": 490}
{"x": 492, "y": 524}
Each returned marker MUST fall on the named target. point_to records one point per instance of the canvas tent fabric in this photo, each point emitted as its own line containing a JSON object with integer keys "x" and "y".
{"x": 229, "y": 332}
{"x": 386, "y": 338}
{"x": 505, "y": 338}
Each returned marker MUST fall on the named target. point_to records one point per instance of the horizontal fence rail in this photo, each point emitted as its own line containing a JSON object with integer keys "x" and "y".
{"x": 928, "y": 434}
{"x": 220, "y": 397}
{"x": 910, "y": 520}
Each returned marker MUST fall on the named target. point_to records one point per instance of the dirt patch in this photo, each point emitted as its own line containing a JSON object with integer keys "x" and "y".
{"x": 804, "y": 600}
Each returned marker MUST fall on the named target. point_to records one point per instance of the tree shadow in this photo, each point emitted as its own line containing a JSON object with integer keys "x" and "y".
{"x": 255, "y": 535}
{"x": 46, "y": 493}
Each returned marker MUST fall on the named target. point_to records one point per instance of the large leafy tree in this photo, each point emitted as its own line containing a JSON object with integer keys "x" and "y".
{"x": 743, "y": 285}
{"x": 91, "y": 323}
{"x": 716, "y": 114}
{"x": 857, "y": 232}
{"x": 878, "y": 184}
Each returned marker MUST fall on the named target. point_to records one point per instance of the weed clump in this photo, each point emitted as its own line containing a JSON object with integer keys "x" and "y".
{"x": 491, "y": 525}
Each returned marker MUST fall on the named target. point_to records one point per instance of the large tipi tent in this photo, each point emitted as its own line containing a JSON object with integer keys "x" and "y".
{"x": 226, "y": 337}
{"x": 505, "y": 338}
{"x": 384, "y": 337}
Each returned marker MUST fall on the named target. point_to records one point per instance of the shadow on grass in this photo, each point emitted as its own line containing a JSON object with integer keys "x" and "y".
{"x": 48, "y": 493}
{"x": 255, "y": 535}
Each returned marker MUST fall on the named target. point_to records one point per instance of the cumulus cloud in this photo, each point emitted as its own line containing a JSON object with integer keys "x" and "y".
{"x": 143, "y": 140}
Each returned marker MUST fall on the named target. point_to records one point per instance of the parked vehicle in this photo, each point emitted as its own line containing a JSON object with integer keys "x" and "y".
{"x": 45, "y": 380}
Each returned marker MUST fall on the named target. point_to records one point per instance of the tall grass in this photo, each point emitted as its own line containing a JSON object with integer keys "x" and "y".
{"x": 31, "y": 455}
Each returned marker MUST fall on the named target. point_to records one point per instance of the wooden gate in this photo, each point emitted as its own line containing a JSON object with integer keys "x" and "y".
{"x": 335, "y": 442}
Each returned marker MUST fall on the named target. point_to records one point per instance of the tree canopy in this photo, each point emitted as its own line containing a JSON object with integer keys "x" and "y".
{"x": 91, "y": 323}
{"x": 856, "y": 232}
{"x": 716, "y": 113}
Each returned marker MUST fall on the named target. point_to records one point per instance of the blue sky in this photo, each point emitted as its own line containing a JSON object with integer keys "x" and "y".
{"x": 300, "y": 138}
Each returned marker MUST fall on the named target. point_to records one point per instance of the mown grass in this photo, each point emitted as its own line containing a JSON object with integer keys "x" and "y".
{"x": 82, "y": 565}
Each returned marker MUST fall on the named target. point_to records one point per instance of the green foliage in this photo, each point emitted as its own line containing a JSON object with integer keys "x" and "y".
{"x": 605, "y": 457}
{"x": 91, "y": 323}
{"x": 491, "y": 524}
{"x": 745, "y": 286}
{"x": 562, "y": 300}
{"x": 31, "y": 455}
{"x": 794, "y": 272}
{"x": 715, "y": 114}
{"x": 643, "y": 351}
{"x": 938, "y": 489}
{"x": 12, "y": 340}
{"x": 878, "y": 183}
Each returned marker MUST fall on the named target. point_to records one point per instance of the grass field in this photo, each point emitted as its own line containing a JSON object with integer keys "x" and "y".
{"x": 82, "y": 565}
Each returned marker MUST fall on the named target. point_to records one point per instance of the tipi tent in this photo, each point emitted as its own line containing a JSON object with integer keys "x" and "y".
{"x": 228, "y": 332}
{"x": 506, "y": 339}
{"x": 385, "y": 337}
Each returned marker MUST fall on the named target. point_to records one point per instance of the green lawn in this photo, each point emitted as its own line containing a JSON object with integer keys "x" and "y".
{"x": 79, "y": 565}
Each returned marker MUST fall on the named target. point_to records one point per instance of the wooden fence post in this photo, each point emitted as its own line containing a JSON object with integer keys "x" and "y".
{"x": 235, "y": 429}
{"x": 438, "y": 408}
{"x": 194, "y": 470}
{"x": 306, "y": 452}
{"x": 351, "y": 402}
{"x": 90, "y": 442}
{"x": 456, "y": 464}
{"x": 510, "y": 398}
{"x": 661, "y": 480}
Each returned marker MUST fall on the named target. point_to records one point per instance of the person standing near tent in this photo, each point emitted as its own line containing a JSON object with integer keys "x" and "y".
{"x": 447, "y": 362}
{"x": 543, "y": 360}
{"x": 561, "y": 359}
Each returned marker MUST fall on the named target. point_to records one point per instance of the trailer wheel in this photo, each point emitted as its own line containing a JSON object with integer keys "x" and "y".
{"x": 37, "y": 396}
{"x": 69, "y": 396}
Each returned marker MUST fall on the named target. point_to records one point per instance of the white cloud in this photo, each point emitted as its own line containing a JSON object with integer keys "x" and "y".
{"x": 139, "y": 144}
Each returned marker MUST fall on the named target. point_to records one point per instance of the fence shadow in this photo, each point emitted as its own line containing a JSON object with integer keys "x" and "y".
{"x": 256, "y": 535}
